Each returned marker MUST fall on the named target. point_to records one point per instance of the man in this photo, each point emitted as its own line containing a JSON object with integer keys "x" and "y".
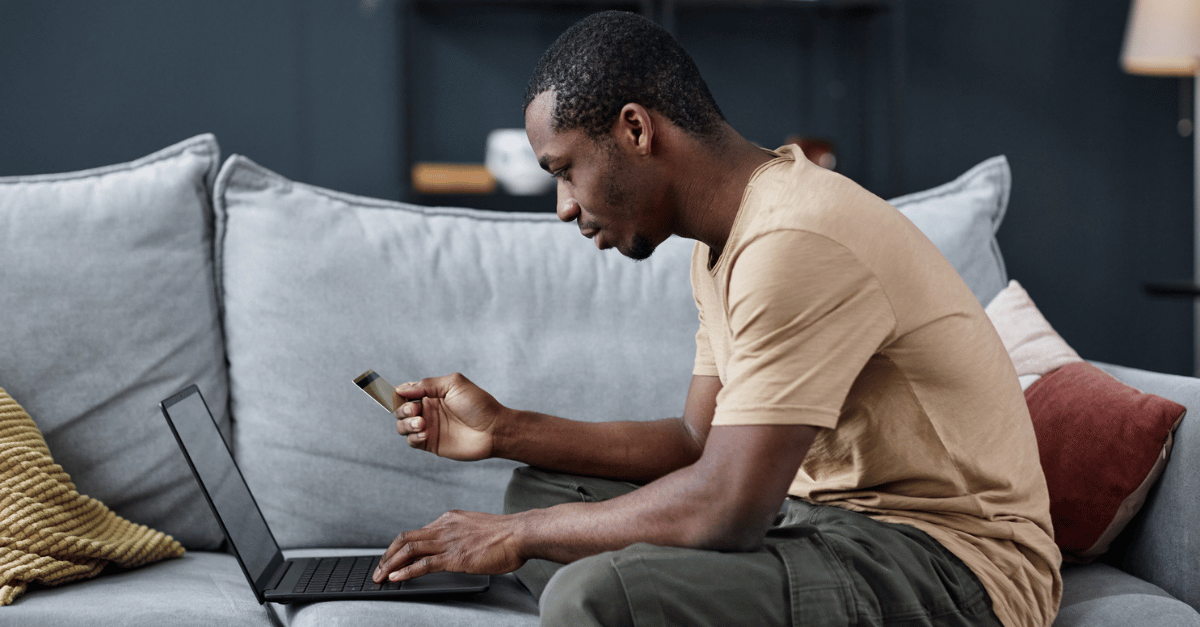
{"x": 842, "y": 370}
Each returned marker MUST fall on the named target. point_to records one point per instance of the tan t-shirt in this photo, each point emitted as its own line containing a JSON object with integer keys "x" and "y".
{"x": 828, "y": 308}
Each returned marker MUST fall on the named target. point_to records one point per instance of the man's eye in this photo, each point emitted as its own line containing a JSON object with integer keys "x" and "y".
{"x": 562, "y": 174}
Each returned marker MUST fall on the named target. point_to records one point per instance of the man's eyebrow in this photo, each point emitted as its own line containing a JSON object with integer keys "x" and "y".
{"x": 544, "y": 161}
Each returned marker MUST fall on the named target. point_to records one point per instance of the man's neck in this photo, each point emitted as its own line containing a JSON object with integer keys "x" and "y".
{"x": 713, "y": 187}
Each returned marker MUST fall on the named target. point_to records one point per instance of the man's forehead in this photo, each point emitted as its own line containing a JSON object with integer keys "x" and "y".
{"x": 550, "y": 144}
{"x": 539, "y": 114}
{"x": 539, "y": 125}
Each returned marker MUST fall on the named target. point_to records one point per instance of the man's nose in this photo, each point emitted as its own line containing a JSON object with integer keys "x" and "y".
{"x": 568, "y": 209}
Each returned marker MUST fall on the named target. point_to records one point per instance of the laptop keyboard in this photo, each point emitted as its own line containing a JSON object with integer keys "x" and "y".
{"x": 341, "y": 574}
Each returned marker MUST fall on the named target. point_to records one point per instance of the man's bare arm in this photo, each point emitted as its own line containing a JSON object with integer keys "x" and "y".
{"x": 458, "y": 420}
{"x": 622, "y": 450}
{"x": 726, "y": 500}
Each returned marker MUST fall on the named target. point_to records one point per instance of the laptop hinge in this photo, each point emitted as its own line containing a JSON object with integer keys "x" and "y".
{"x": 279, "y": 574}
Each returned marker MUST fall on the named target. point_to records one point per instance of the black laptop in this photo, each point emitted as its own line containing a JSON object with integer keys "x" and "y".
{"x": 272, "y": 577}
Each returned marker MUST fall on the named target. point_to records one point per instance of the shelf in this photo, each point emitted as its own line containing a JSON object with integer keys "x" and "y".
{"x": 821, "y": 4}
{"x": 536, "y": 3}
{"x": 811, "y": 4}
{"x": 865, "y": 120}
{"x": 645, "y": 7}
{"x": 498, "y": 201}
{"x": 1187, "y": 289}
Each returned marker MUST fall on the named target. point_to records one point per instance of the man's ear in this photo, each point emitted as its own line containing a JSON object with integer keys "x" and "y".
{"x": 635, "y": 128}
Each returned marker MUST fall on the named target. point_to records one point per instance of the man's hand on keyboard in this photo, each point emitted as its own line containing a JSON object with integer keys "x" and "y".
{"x": 458, "y": 541}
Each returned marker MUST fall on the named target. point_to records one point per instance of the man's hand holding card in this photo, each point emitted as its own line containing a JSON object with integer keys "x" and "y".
{"x": 448, "y": 416}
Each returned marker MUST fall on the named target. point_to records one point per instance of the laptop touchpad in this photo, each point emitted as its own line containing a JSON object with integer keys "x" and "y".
{"x": 433, "y": 582}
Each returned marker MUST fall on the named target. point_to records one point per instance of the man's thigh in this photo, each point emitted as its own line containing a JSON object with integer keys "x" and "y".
{"x": 803, "y": 577}
{"x": 647, "y": 585}
{"x": 846, "y": 568}
{"x": 823, "y": 566}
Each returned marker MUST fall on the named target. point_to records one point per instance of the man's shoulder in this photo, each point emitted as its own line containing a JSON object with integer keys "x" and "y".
{"x": 798, "y": 195}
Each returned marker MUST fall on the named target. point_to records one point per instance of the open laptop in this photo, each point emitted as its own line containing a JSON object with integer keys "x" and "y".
{"x": 272, "y": 577}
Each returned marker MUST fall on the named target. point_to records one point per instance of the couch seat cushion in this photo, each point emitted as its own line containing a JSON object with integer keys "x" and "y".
{"x": 201, "y": 589}
{"x": 1098, "y": 595}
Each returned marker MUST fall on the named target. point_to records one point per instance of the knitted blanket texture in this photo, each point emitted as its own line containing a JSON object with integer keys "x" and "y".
{"x": 49, "y": 533}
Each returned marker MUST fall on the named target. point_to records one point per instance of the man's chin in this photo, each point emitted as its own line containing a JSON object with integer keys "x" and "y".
{"x": 639, "y": 249}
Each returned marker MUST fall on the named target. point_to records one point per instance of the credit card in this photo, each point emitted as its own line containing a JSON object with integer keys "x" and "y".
{"x": 377, "y": 388}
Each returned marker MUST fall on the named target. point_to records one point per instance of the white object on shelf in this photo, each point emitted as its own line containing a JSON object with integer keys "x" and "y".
{"x": 510, "y": 159}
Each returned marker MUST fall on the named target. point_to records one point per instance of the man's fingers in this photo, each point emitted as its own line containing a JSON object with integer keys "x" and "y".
{"x": 423, "y": 566}
{"x": 407, "y": 408}
{"x": 383, "y": 569}
{"x": 409, "y": 426}
{"x": 409, "y": 421}
{"x": 400, "y": 556}
{"x": 413, "y": 423}
{"x": 407, "y": 400}
{"x": 434, "y": 387}
{"x": 414, "y": 430}
{"x": 395, "y": 546}
{"x": 414, "y": 560}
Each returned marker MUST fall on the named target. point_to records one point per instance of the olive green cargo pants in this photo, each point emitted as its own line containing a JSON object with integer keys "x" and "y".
{"x": 820, "y": 566}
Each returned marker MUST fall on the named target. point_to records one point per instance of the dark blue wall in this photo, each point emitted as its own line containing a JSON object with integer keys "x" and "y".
{"x": 314, "y": 90}
{"x": 1101, "y": 197}
{"x": 309, "y": 89}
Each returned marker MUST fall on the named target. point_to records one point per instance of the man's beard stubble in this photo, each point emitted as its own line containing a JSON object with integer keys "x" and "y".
{"x": 617, "y": 194}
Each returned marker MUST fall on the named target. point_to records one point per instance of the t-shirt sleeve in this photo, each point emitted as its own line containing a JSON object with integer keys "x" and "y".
{"x": 806, "y": 315}
{"x": 706, "y": 363}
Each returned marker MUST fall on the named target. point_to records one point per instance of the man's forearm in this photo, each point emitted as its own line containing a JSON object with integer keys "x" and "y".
{"x": 624, "y": 450}
{"x": 568, "y": 532}
{"x": 721, "y": 502}
{"x": 725, "y": 501}
{"x": 631, "y": 451}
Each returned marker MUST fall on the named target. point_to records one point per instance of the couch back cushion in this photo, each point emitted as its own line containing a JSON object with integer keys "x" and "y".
{"x": 107, "y": 306}
{"x": 961, "y": 217}
{"x": 320, "y": 286}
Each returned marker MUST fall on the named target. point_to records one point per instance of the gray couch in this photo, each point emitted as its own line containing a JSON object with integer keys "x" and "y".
{"x": 121, "y": 285}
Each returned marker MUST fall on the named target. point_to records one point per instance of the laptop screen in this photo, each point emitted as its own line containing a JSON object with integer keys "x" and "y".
{"x": 220, "y": 478}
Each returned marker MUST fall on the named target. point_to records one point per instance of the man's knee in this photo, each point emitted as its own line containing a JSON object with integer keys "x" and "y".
{"x": 531, "y": 488}
{"x": 586, "y": 592}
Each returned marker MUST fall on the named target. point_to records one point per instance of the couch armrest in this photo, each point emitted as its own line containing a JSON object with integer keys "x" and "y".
{"x": 1162, "y": 544}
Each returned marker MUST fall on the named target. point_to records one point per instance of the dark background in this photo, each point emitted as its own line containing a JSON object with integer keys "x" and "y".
{"x": 342, "y": 95}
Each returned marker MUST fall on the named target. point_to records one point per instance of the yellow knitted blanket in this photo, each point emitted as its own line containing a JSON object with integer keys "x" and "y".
{"x": 49, "y": 533}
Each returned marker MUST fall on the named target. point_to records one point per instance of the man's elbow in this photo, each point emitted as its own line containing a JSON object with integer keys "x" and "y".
{"x": 740, "y": 542}
{"x": 727, "y": 531}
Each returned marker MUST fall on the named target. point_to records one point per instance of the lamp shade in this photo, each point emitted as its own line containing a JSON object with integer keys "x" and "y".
{"x": 1162, "y": 38}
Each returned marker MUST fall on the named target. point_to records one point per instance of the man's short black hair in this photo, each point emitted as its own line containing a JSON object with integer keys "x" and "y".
{"x": 613, "y": 58}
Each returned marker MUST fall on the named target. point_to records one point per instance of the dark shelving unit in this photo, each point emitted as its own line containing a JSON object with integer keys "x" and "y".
{"x": 869, "y": 131}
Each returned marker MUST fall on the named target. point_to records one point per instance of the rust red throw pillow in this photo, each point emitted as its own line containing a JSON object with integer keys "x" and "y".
{"x": 1103, "y": 445}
